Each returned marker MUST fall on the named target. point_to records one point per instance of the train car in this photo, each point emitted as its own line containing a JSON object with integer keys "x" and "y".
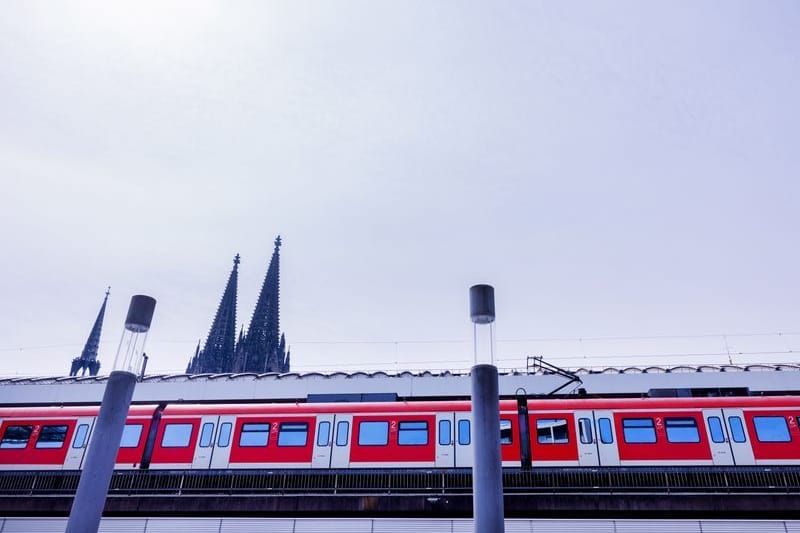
{"x": 420, "y": 434}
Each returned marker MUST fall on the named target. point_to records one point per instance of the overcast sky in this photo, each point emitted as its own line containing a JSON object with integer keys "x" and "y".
{"x": 614, "y": 169}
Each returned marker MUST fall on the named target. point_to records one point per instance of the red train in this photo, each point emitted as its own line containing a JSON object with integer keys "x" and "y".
{"x": 424, "y": 434}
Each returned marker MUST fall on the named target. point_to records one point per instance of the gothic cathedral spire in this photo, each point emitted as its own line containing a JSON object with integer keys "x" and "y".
{"x": 262, "y": 348}
{"x": 218, "y": 353}
{"x": 88, "y": 358}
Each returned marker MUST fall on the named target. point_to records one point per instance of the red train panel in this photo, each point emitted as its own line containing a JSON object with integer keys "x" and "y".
{"x": 546, "y": 447}
{"x": 130, "y": 452}
{"x": 176, "y": 440}
{"x": 403, "y": 442}
{"x": 778, "y": 440}
{"x": 263, "y": 440}
{"x": 664, "y": 447}
{"x": 36, "y": 441}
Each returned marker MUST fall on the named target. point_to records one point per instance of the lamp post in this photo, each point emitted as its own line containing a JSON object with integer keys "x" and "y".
{"x": 90, "y": 498}
{"x": 487, "y": 466}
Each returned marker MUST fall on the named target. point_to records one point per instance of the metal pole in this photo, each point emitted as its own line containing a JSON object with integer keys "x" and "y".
{"x": 90, "y": 499}
{"x": 487, "y": 470}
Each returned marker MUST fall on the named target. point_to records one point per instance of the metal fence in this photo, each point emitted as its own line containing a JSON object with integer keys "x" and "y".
{"x": 415, "y": 481}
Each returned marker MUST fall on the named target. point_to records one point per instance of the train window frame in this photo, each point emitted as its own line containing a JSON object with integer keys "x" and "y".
{"x": 62, "y": 430}
{"x": 366, "y": 437}
{"x": 342, "y": 432}
{"x": 16, "y": 443}
{"x": 252, "y": 430}
{"x": 445, "y": 433}
{"x": 127, "y": 440}
{"x": 545, "y": 430}
{"x": 738, "y": 432}
{"x": 585, "y": 433}
{"x": 506, "y": 432}
{"x": 177, "y": 435}
{"x": 785, "y": 434}
{"x": 605, "y": 429}
{"x": 81, "y": 432}
{"x": 716, "y": 430}
{"x": 206, "y": 435}
{"x": 287, "y": 431}
{"x": 646, "y": 425}
{"x": 324, "y": 433}
{"x": 464, "y": 427}
{"x": 675, "y": 427}
{"x": 224, "y": 434}
{"x": 404, "y": 433}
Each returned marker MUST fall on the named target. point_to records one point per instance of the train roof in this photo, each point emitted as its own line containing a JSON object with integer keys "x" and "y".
{"x": 706, "y": 380}
{"x": 415, "y": 407}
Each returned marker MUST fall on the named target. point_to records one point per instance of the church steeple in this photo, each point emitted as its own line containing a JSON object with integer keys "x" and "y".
{"x": 261, "y": 349}
{"x": 88, "y": 358}
{"x": 218, "y": 353}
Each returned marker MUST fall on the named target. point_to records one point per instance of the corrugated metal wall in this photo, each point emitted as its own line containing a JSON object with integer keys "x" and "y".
{"x": 396, "y": 525}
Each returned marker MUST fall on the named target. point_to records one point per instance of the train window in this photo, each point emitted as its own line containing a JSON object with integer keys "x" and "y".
{"x": 715, "y": 426}
{"x": 737, "y": 429}
{"x": 585, "y": 430}
{"x": 16, "y": 436}
{"x": 373, "y": 433}
{"x": 506, "y": 436}
{"x": 445, "y": 433}
{"x": 463, "y": 433}
{"x": 552, "y": 431}
{"x": 293, "y": 434}
{"x": 176, "y": 436}
{"x": 771, "y": 429}
{"x": 255, "y": 434}
{"x": 324, "y": 433}
{"x": 224, "y": 438}
{"x": 131, "y": 435}
{"x": 52, "y": 437}
{"x": 638, "y": 430}
{"x": 682, "y": 430}
{"x": 412, "y": 434}
{"x": 207, "y": 435}
{"x": 80, "y": 436}
{"x": 604, "y": 428}
{"x": 342, "y": 430}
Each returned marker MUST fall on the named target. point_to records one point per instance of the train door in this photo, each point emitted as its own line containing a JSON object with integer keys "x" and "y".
{"x": 718, "y": 437}
{"x": 80, "y": 439}
{"x": 740, "y": 442}
{"x": 324, "y": 442}
{"x": 463, "y": 440}
{"x": 445, "y": 444}
{"x": 607, "y": 448}
{"x": 342, "y": 430}
{"x": 588, "y": 453}
{"x": 204, "y": 448}
{"x": 221, "y": 449}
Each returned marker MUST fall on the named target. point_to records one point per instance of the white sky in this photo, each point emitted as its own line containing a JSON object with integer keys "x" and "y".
{"x": 614, "y": 169}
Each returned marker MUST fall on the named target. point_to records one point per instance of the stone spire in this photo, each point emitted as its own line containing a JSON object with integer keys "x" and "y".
{"x": 88, "y": 358}
{"x": 217, "y": 356}
{"x": 262, "y": 349}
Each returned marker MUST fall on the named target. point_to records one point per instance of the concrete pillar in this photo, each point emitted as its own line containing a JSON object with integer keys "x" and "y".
{"x": 90, "y": 499}
{"x": 487, "y": 469}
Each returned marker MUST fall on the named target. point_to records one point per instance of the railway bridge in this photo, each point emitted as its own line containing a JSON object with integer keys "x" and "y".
{"x": 700, "y": 493}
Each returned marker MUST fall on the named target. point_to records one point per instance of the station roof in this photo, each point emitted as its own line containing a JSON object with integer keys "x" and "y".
{"x": 292, "y": 386}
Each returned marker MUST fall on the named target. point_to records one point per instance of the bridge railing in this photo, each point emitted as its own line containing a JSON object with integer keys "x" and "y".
{"x": 414, "y": 481}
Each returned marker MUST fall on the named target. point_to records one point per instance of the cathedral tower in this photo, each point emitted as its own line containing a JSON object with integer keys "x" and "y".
{"x": 88, "y": 358}
{"x": 217, "y": 355}
{"x": 263, "y": 347}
